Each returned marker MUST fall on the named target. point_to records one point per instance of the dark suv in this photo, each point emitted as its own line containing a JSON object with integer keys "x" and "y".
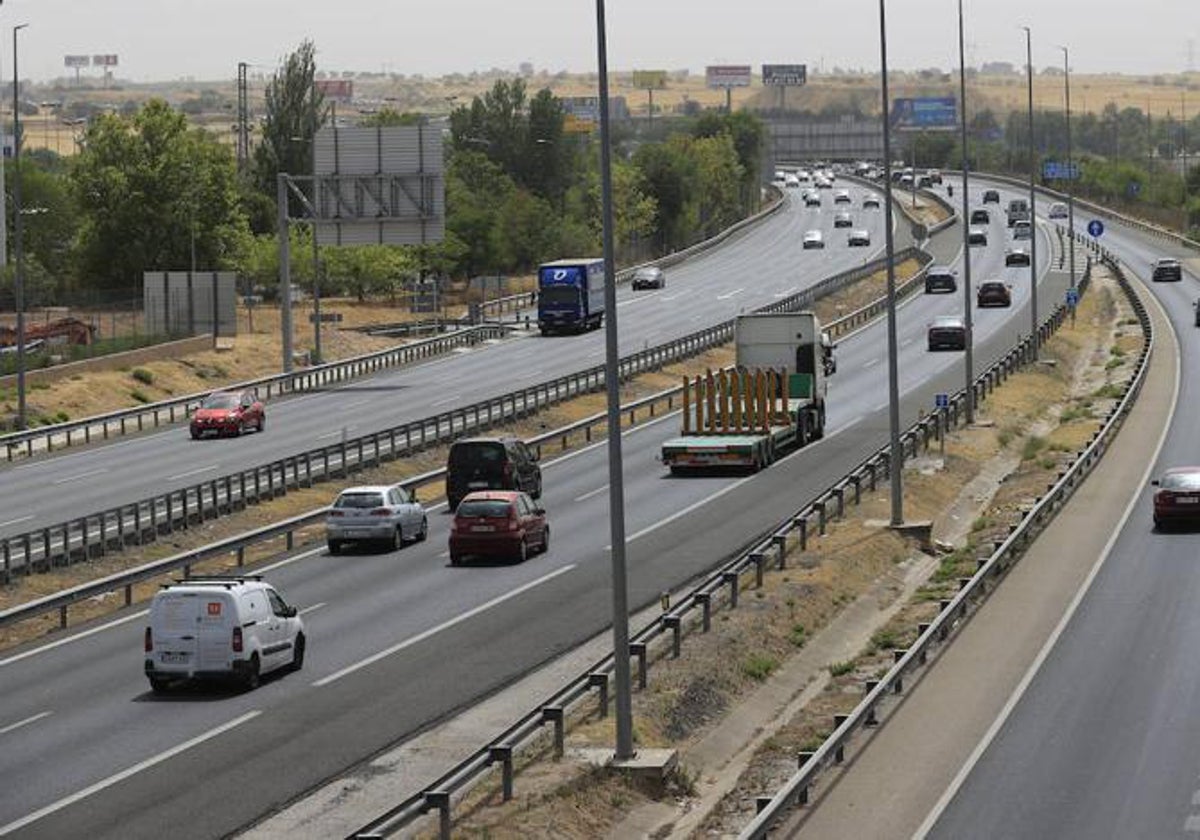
{"x": 940, "y": 279}
{"x": 1167, "y": 269}
{"x": 500, "y": 463}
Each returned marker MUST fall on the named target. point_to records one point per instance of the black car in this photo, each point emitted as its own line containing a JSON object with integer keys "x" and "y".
{"x": 842, "y": 220}
{"x": 870, "y": 201}
{"x": 1167, "y": 269}
{"x": 1196, "y": 309}
{"x": 649, "y": 277}
{"x": 939, "y": 279}
{"x": 498, "y": 463}
{"x": 991, "y": 197}
{"x": 947, "y": 333}
{"x": 1017, "y": 256}
{"x": 993, "y": 293}
{"x": 979, "y": 216}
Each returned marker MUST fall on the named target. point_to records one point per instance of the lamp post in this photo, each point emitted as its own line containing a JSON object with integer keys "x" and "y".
{"x": 19, "y": 276}
{"x": 1070, "y": 186}
{"x": 616, "y": 489}
{"x": 1033, "y": 306}
{"x": 896, "y": 453}
{"x": 962, "y": 106}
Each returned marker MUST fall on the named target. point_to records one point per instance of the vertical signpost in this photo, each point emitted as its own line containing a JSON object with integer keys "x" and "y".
{"x": 784, "y": 76}
{"x": 650, "y": 81}
{"x": 727, "y": 76}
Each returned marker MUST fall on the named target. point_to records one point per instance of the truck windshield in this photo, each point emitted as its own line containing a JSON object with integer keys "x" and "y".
{"x": 558, "y": 295}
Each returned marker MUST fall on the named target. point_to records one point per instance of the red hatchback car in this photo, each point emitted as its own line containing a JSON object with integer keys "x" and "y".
{"x": 498, "y": 523}
{"x": 1178, "y": 497}
{"x": 228, "y": 413}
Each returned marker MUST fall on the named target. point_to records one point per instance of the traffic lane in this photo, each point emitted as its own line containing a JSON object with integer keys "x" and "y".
{"x": 318, "y": 418}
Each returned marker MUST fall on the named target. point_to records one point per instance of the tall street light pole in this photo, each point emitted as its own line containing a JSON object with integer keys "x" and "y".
{"x": 616, "y": 488}
{"x": 1070, "y": 186}
{"x": 1035, "y": 337}
{"x": 19, "y": 227}
{"x": 896, "y": 453}
{"x": 966, "y": 183}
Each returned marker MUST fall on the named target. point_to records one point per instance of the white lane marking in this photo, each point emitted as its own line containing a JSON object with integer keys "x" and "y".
{"x": 81, "y": 635}
{"x": 15, "y": 521}
{"x": 591, "y": 493}
{"x": 786, "y": 292}
{"x": 338, "y": 433}
{"x": 287, "y": 561}
{"x": 196, "y": 471}
{"x": 31, "y": 719}
{"x": 669, "y": 297}
{"x": 679, "y": 513}
{"x": 533, "y": 373}
{"x": 450, "y": 399}
{"x": 728, "y": 295}
{"x": 1192, "y": 823}
{"x": 871, "y": 364}
{"x": 313, "y": 608}
{"x": 907, "y": 341}
{"x": 66, "y": 801}
{"x": 78, "y": 476}
{"x": 432, "y": 631}
{"x": 1018, "y": 692}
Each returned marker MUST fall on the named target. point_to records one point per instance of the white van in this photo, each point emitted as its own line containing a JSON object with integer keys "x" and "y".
{"x": 220, "y": 628}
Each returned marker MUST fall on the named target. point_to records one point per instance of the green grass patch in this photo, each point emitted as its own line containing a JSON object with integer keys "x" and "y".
{"x": 146, "y": 377}
{"x": 798, "y": 635}
{"x": 1033, "y": 445}
{"x": 139, "y": 395}
{"x": 1109, "y": 391}
{"x": 759, "y": 666}
{"x": 885, "y": 639}
{"x": 838, "y": 669}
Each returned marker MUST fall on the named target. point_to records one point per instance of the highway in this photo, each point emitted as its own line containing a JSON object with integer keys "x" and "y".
{"x": 400, "y": 640}
{"x": 755, "y": 267}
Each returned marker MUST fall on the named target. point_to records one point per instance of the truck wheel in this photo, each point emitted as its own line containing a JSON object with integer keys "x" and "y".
{"x": 819, "y": 431}
{"x": 251, "y": 678}
{"x": 159, "y": 685}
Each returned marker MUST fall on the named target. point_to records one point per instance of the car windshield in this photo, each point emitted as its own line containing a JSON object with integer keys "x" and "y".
{"x": 646, "y": 274}
{"x": 220, "y": 401}
{"x": 559, "y": 294}
{"x": 1181, "y": 481}
{"x": 475, "y": 454}
{"x": 359, "y": 499}
{"x": 484, "y": 508}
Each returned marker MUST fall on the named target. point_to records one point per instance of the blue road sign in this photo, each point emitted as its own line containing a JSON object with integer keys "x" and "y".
{"x": 941, "y": 400}
{"x": 1072, "y": 297}
{"x": 1095, "y": 228}
{"x": 1054, "y": 171}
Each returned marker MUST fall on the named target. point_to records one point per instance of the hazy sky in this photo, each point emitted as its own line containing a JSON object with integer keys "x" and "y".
{"x": 169, "y": 39}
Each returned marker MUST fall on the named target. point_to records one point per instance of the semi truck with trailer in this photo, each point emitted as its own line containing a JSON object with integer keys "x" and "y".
{"x": 570, "y": 295}
{"x": 771, "y": 402}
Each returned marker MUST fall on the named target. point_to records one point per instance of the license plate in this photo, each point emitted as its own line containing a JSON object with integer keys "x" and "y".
{"x": 477, "y": 484}
{"x": 174, "y": 658}
{"x": 1187, "y": 500}
{"x": 483, "y": 529}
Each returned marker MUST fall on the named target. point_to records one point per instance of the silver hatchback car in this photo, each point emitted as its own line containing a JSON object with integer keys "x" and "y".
{"x": 379, "y": 514}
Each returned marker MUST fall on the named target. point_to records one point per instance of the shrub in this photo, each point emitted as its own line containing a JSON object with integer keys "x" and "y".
{"x": 1033, "y": 445}
{"x": 139, "y": 395}
{"x": 797, "y": 635}
{"x": 838, "y": 669}
{"x": 759, "y": 666}
{"x": 144, "y": 376}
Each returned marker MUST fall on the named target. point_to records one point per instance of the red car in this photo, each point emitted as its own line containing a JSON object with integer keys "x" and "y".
{"x": 498, "y": 523}
{"x": 228, "y": 413}
{"x": 1178, "y": 496}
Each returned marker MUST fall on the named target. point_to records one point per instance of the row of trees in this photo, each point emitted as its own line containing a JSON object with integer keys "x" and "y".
{"x": 149, "y": 192}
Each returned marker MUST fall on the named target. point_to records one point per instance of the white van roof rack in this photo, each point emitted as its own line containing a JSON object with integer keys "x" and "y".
{"x": 221, "y": 580}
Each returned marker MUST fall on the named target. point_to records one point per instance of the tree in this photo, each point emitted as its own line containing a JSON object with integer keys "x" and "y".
{"x": 668, "y": 177}
{"x": 390, "y": 116}
{"x": 51, "y": 219}
{"x": 295, "y": 109}
{"x": 149, "y": 190}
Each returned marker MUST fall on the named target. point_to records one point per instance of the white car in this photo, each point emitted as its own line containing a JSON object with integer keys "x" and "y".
{"x": 841, "y": 197}
{"x": 1022, "y": 230}
{"x": 813, "y": 239}
{"x": 870, "y": 200}
{"x": 235, "y": 628}
{"x": 791, "y": 181}
{"x": 859, "y": 238}
{"x": 1058, "y": 210}
{"x": 375, "y": 513}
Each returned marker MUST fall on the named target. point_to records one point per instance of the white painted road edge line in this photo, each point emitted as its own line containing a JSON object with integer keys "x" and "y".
{"x": 1018, "y": 692}
{"x": 422, "y": 636}
{"x": 66, "y": 801}
{"x": 31, "y": 719}
{"x": 81, "y": 635}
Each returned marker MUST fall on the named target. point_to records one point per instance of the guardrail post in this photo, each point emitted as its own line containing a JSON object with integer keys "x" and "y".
{"x": 897, "y": 655}
{"x": 779, "y": 541}
{"x": 440, "y": 799}
{"x": 705, "y": 601}
{"x": 555, "y": 715}
{"x": 62, "y": 617}
{"x": 868, "y": 687}
{"x": 504, "y": 755}
{"x": 839, "y": 755}
{"x": 819, "y": 505}
{"x": 839, "y": 493}
{"x": 731, "y": 578}
{"x": 674, "y": 623}
{"x": 760, "y": 561}
{"x": 921, "y": 628}
{"x": 599, "y": 681}
{"x": 638, "y": 651}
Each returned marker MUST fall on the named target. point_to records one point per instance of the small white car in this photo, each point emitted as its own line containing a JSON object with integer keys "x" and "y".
{"x": 375, "y": 513}
{"x": 859, "y": 239}
{"x": 813, "y": 239}
{"x": 1058, "y": 210}
{"x": 870, "y": 200}
{"x": 791, "y": 181}
{"x": 226, "y": 628}
{"x": 1022, "y": 230}
{"x": 841, "y": 197}
{"x": 977, "y": 236}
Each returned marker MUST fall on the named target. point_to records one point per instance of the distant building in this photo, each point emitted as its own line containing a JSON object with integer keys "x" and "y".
{"x": 998, "y": 68}
{"x": 526, "y": 68}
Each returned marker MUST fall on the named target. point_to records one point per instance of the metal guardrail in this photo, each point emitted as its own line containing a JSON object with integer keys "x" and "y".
{"x": 97, "y": 533}
{"x": 102, "y": 426}
{"x": 726, "y": 582}
{"x": 1004, "y": 553}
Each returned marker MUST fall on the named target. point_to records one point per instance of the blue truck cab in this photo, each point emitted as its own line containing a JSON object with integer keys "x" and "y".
{"x": 570, "y": 295}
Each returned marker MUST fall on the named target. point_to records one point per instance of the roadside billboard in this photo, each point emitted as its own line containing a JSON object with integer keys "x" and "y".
{"x": 1054, "y": 171}
{"x": 785, "y": 75}
{"x": 650, "y": 79}
{"x": 727, "y": 75}
{"x": 927, "y": 113}
{"x": 339, "y": 89}
{"x": 77, "y": 60}
{"x": 107, "y": 60}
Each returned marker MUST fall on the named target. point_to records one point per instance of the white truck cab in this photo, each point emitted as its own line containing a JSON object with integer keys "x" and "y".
{"x": 235, "y": 628}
